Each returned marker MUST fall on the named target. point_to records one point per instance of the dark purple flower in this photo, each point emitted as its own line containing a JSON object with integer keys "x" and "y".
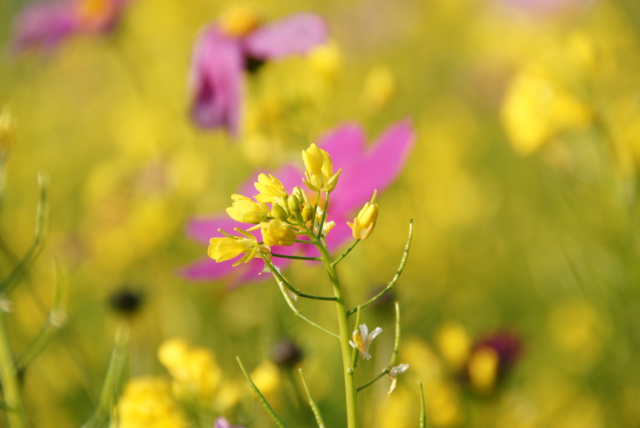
{"x": 220, "y": 58}
{"x": 363, "y": 170}
{"x": 45, "y": 25}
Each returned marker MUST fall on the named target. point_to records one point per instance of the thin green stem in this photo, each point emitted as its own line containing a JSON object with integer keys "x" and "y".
{"x": 111, "y": 386}
{"x": 286, "y": 256}
{"x": 312, "y": 403}
{"x": 306, "y": 241}
{"x": 396, "y": 277}
{"x": 351, "y": 247}
{"x": 354, "y": 360}
{"x": 394, "y": 354}
{"x": 281, "y": 281}
{"x": 276, "y": 419}
{"x": 423, "y": 411}
{"x": 345, "y": 333}
{"x": 9, "y": 376}
{"x": 324, "y": 215}
{"x": 274, "y": 270}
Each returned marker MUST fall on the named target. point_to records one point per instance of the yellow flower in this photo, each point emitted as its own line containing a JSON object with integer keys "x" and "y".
{"x": 239, "y": 20}
{"x": 379, "y": 87}
{"x": 147, "y": 403}
{"x": 245, "y": 210}
{"x": 194, "y": 370}
{"x": 227, "y": 248}
{"x": 483, "y": 368}
{"x": 364, "y": 223}
{"x": 276, "y": 232}
{"x": 536, "y": 109}
{"x": 319, "y": 169}
{"x": 270, "y": 188}
{"x": 325, "y": 60}
{"x": 454, "y": 344}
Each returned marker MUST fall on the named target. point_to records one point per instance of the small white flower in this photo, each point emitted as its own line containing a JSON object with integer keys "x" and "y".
{"x": 394, "y": 372}
{"x": 362, "y": 339}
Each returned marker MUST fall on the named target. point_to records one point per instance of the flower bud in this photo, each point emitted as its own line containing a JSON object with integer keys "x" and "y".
{"x": 277, "y": 233}
{"x": 245, "y": 210}
{"x": 278, "y": 212}
{"x": 293, "y": 203}
{"x": 307, "y": 213}
{"x": 364, "y": 223}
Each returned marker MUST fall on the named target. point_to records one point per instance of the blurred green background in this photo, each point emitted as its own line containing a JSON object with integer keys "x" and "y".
{"x": 522, "y": 187}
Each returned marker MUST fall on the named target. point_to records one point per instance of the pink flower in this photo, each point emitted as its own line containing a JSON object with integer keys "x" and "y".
{"x": 363, "y": 170}
{"x": 547, "y": 6}
{"x": 46, "y": 25}
{"x": 219, "y": 59}
{"x": 223, "y": 423}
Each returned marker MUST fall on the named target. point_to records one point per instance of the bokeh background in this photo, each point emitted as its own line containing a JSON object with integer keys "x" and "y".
{"x": 521, "y": 184}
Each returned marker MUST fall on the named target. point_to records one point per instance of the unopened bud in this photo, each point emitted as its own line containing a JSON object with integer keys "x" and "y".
{"x": 293, "y": 203}
{"x": 278, "y": 212}
{"x": 307, "y": 213}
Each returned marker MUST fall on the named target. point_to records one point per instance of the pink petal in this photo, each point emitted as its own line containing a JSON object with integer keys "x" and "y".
{"x": 44, "y": 26}
{"x": 380, "y": 167}
{"x": 202, "y": 230}
{"x": 207, "y": 269}
{"x": 215, "y": 81}
{"x": 346, "y": 145}
{"x": 296, "y": 34}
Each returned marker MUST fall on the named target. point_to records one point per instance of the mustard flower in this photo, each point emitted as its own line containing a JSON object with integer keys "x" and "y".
{"x": 44, "y": 26}
{"x": 270, "y": 188}
{"x": 365, "y": 221}
{"x": 319, "y": 169}
{"x": 227, "y": 248}
{"x": 394, "y": 373}
{"x": 276, "y": 232}
{"x": 362, "y": 339}
{"x": 245, "y": 210}
{"x": 228, "y": 47}
{"x": 363, "y": 170}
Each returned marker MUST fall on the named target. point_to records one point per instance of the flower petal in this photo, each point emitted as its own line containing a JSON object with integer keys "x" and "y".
{"x": 295, "y": 34}
{"x": 44, "y": 26}
{"x": 215, "y": 81}
{"x": 377, "y": 171}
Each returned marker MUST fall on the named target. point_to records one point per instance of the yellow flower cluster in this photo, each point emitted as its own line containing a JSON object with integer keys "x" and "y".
{"x": 147, "y": 403}
{"x": 194, "y": 370}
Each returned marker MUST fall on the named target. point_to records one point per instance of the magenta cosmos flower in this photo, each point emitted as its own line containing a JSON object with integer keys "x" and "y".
{"x": 220, "y": 57}
{"x": 363, "y": 170}
{"x": 45, "y": 25}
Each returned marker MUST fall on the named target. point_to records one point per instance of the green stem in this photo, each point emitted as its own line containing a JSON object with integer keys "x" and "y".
{"x": 9, "y": 376}
{"x": 312, "y": 403}
{"x": 286, "y": 256}
{"x": 345, "y": 333}
{"x": 265, "y": 404}
{"x": 339, "y": 259}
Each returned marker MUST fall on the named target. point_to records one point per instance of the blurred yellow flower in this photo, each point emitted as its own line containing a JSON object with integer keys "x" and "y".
{"x": 379, "y": 87}
{"x": 536, "y": 109}
{"x": 483, "y": 368}
{"x": 7, "y": 131}
{"x": 267, "y": 378}
{"x": 245, "y": 210}
{"x": 365, "y": 221}
{"x": 194, "y": 369}
{"x": 147, "y": 403}
{"x": 454, "y": 344}
{"x": 325, "y": 61}
{"x": 239, "y": 20}
{"x": 276, "y": 232}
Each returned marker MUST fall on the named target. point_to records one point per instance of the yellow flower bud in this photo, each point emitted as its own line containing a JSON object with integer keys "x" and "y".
{"x": 307, "y": 213}
{"x": 277, "y": 233}
{"x": 364, "y": 223}
{"x": 293, "y": 203}
{"x": 239, "y": 20}
{"x": 270, "y": 188}
{"x": 278, "y": 212}
{"x": 223, "y": 249}
{"x": 319, "y": 169}
{"x": 245, "y": 210}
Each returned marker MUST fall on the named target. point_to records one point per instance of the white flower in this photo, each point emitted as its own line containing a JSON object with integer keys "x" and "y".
{"x": 394, "y": 372}
{"x": 362, "y": 339}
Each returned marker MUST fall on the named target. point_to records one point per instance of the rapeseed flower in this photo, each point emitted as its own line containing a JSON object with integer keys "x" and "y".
{"x": 365, "y": 221}
{"x": 363, "y": 171}
{"x": 362, "y": 339}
